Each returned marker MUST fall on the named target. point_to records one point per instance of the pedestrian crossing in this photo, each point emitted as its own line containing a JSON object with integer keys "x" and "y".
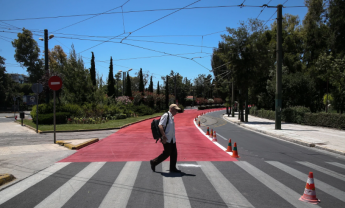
{"x": 244, "y": 184}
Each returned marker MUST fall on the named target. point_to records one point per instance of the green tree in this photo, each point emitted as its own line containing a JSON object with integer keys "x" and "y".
{"x": 111, "y": 81}
{"x": 128, "y": 86}
{"x": 151, "y": 85}
{"x": 167, "y": 93}
{"x": 27, "y": 54}
{"x": 333, "y": 70}
{"x": 336, "y": 23}
{"x": 93, "y": 70}
{"x": 158, "y": 91}
{"x": 141, "y": 81}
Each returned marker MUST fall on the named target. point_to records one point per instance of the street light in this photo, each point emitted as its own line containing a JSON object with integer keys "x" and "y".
{"x": 46, "y": 67}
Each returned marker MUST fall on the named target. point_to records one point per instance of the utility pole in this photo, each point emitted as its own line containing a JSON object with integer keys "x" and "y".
{"x": 278, "y": 103}
{"x": 46, "y": 67}
{"x": 246, "y": 102}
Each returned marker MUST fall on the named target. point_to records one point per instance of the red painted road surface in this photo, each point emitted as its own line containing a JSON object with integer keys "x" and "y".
{"x": 135, "y": 143}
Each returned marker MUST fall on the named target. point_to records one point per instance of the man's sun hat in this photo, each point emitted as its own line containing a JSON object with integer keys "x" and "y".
{"x": 174, "y": 106}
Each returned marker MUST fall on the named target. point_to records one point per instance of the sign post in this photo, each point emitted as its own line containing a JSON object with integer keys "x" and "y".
{"x": 36, "y": 88}
{"x": 55, "y": 83}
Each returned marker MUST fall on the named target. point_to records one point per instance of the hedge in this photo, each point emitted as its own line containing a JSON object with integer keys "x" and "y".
{"x": 61, "y": 118}
{"x": 203, "y": 107}
{"x": 302, "y": 115}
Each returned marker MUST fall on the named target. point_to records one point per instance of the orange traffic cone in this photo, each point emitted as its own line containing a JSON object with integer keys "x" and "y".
{"x": 229, "y": 147}
{"x": 234, "y": 151}
{"x": 309, "y": 194}
{"x": 195, "y": 119}
{"x": 211, "y": 135}
{"x": 214, "y": 137}
{"x": 199, "y": 123}
{"x": 208, "y": 131}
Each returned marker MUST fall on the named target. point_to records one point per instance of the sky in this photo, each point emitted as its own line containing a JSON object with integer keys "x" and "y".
{"x": 157, "y": 36}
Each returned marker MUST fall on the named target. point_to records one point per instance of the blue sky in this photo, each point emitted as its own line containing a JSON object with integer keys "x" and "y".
{"x": 189, "y": 27}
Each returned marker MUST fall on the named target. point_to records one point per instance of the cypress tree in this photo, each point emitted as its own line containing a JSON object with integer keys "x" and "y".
{"x": 141, "y": 81}
{"x": 111, "y": 81}
{"x": 151, "y": 85}
{"x": 93, "y": 70}
{"x": 167, "y": 93}
{"x": 158, "y": 92}
{"x": 128, "y": 86}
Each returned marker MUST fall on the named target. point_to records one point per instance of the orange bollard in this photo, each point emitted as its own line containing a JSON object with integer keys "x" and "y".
{"x": 208, "y": 131}
{"x": 211, "y": 135}
{"x": 229, "y": 149}
{"x": 309, "y": 194}
{"x": 199, "y": 123}
{"x": 234, "y": 151}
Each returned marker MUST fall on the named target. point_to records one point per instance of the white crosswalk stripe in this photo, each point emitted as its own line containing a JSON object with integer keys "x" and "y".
{"x": 286, "y": 193}
{"x": 59, "y": 197}
{"x": 20, "y": 187}
{"x": 121, "y": 190}
{"x": 302, "y": 176}
{"x": 337, "y": 164}
{"x": 323, "y": 170}
{"x": 175, "y": 194}
{"x": 228, "y": 192}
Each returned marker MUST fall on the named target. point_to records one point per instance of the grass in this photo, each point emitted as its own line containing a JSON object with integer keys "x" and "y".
{"x": 72, "y": 127}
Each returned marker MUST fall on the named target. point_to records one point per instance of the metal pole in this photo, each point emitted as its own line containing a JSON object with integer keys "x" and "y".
{"x": 46, "y": 66}
{"x": 232, "y": 99}
{"x": 278, "y": 103}
{"x": 54, "y": 120}
{"x": 37, "y": 109}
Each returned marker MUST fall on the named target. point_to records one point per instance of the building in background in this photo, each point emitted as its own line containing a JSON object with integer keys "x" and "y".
{"x": 20, "y": 78}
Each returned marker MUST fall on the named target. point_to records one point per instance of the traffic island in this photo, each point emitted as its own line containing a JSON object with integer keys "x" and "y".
{"x": 5, "y": 178}
{"x": 76, "y": 143}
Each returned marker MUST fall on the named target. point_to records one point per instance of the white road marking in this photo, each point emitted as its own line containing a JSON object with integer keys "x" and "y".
{"x": 283, "y": 191}
{"x": 337, "y": 164}
{"x": 21, "y": 186}
{"x": 55, "y": 83}
{"x": 216, "y": 143}
{"x": 120, "y": 191}
{"x": 303, "y": 177}
{"x": 228, "y": 192}
{"x": 188, "y": 165}
{"x": 323, "y": 170}
{"x": 175, "y": 194}
{"x": 222, "y": 137}
{"x": 61, "y": 195}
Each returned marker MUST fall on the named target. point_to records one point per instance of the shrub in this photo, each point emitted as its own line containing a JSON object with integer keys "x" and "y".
{"x": 142, "y": 110}
{"x": 189, "y": 102}
{"x": 294, "y": 114}
{"x": 61, "y": 118}
{"x": 44, "y": 108}
{"x": 182, "y": 108}
{"x": 325, "y": 119}
{"x": 121, "y": 116}
{"x": 123, "y": 100}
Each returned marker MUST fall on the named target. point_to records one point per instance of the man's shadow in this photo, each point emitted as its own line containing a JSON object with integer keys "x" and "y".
{"x": 174, "y": 174}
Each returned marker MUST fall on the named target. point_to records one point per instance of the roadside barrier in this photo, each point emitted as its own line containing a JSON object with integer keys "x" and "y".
{"x": 309, "y": 194}
{"x": 214, "y": 137}
{"x": 229, "y": 149}
{"x": 234, "y": 151}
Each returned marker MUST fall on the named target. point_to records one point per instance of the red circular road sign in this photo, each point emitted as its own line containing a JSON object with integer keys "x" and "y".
{"x": 55, "y": 83}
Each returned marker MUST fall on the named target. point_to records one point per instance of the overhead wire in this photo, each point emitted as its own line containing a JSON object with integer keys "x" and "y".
{"x": 91, "y": 17}
{"x": 264, "y": 7}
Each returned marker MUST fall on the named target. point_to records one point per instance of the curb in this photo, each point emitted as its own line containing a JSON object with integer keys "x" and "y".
{"x": 5, "y": 178}
{"x": 80, "y": 130}
{"x": 78, "y": 146}
{"x": 287, "y": 139}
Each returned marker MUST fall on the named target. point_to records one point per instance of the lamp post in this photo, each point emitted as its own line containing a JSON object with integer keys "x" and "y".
{"x": 46, "y": 67}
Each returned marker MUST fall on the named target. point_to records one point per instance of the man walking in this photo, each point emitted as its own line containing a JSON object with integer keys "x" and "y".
{"x": 167, "y": 130}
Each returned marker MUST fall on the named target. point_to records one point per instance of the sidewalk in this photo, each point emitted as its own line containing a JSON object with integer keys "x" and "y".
{"x": 332, "y": 140}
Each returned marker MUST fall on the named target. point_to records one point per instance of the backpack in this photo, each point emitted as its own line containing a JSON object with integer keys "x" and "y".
{"x": 155, "y": 129}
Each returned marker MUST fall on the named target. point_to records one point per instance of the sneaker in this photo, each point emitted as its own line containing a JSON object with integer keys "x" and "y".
{"x": 153, "y": 167}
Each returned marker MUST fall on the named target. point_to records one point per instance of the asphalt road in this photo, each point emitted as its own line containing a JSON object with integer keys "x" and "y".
{"x": 269, "y": 173}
